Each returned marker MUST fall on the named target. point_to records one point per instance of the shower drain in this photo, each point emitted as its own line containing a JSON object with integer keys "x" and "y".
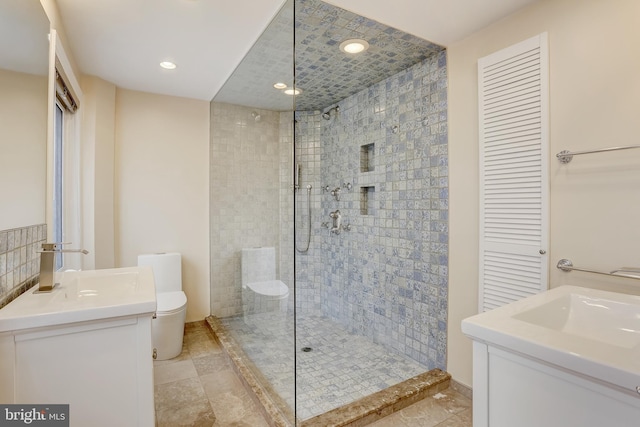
{"x": 306, "y": 349}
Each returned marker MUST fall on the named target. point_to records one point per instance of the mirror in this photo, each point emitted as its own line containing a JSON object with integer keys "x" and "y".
{"x": 24, "y": 66}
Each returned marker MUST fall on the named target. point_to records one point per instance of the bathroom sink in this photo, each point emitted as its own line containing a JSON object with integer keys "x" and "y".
{"x": 591, "y": 332}
{"x": 83, "y": 296}
{"x": 119, "y": 284}
{"x": 596, "y": 318}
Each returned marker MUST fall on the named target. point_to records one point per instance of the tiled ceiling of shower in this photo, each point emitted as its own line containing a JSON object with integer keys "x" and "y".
{"x": 323, "y": 73}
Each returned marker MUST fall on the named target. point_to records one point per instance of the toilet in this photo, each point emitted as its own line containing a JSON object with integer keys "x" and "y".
{"x": 167, "y": 329}
{"x": 261, "y": 291}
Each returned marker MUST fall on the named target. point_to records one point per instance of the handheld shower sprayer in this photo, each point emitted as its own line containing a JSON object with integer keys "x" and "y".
{"x": 296, "y": 178}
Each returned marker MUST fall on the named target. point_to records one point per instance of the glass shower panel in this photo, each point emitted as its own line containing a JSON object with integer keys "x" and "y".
{"x": 251, "y": 210}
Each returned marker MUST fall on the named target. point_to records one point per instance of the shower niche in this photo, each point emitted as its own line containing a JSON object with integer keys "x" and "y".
{"x": 367, "y": 197}
{"x": 367, "y": 157}
{"x": 367, "y": 165}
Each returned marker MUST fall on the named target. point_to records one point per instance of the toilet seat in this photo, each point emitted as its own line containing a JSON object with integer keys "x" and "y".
{"x": 269, "y": 288}
{"x": 170, "y": 302}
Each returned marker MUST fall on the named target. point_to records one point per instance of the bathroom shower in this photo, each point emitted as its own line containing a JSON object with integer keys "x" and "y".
{"x": 327, "y": 114}
{"x": 377, "y": 211}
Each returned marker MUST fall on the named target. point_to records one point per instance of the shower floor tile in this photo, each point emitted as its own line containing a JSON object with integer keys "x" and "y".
{"x": 337, "y": 368}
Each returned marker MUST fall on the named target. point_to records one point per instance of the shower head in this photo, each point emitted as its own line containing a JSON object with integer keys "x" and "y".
{"x": 327, "y": 114}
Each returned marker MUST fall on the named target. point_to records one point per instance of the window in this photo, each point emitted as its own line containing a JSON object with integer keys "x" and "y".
{"x": 58, "y": 161}
{"x": 65, "y": 170}
{"x": 64, "y": 213}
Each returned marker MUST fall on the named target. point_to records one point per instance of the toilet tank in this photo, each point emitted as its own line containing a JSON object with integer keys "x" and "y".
{"x": 167, "y": 270}
{"x": 258, "y": 264}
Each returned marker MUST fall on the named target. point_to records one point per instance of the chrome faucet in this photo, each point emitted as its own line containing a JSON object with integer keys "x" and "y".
{"x": 47, "y": 258}
{"x": 336, "y": 193}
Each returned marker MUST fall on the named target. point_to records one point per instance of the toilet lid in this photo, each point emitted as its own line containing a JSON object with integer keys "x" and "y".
{"x": 270, "y": 288}
{"x": 169, "y": 301}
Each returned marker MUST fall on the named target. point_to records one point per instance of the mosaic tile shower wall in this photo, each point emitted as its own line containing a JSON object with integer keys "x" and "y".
{"x": 308, "y": 149}
{"x": 244, "y": 195}
{"x": 286, "y": 256}
{"x": 19, "y": 260}
{"x": 386, "y": 278}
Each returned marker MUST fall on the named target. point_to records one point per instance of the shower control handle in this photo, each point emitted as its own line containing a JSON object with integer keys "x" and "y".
{"x": 336, "y": 193}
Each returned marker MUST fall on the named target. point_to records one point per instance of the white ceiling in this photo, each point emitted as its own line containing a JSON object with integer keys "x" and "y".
{"x": 123, "y": 41}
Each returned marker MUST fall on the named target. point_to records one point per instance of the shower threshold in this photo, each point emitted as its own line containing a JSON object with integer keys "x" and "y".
{"x": 360, "y": 412}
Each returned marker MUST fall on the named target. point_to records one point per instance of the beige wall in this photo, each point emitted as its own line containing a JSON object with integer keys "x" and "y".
{"x": 594, "y": 103}
{"x": 23, "y": 120}
{"x": 161, "y": 186}
{"x": 98, "y": 146}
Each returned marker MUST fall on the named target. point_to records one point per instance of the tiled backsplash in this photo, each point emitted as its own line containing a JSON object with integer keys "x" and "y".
{"x": 19, "y": 260}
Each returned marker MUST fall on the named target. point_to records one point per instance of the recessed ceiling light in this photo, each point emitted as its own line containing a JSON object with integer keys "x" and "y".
{"x": 293, "y": 91}
{"x": 168, "y": 65}
{"x": 280, "y": 85}
{"x": 354, "y": 46}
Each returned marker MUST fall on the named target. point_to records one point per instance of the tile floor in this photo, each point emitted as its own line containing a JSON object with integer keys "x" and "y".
{"x": 200, "y": 388}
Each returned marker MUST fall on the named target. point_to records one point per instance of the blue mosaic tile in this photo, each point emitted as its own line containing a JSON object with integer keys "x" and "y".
{"x": 404, "y": 240}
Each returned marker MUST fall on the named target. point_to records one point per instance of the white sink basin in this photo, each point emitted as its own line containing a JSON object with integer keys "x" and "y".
{"x": 83, "y": 296}
{"x": 592, "y": 332}
{"x": 612, "y": 322}
{"x": 118, "y": 284}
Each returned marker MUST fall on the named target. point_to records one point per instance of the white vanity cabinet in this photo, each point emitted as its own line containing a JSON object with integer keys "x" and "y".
{"x": 567, "y": 357}
{"x": 91, "y": 348}
{"x": 513, "y": 390}
{"x": 102, "y": 369}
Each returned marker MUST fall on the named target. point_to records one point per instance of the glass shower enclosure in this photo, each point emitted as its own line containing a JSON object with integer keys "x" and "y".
{"x": 329, "y": 208}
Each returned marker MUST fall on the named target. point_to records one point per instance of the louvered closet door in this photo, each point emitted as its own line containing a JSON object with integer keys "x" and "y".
{"x": 513, "y": 97}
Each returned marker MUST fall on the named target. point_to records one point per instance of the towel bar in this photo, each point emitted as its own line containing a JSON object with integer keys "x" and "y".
{"x": 566, "y": 156}
{"x": 628, "y": 272}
